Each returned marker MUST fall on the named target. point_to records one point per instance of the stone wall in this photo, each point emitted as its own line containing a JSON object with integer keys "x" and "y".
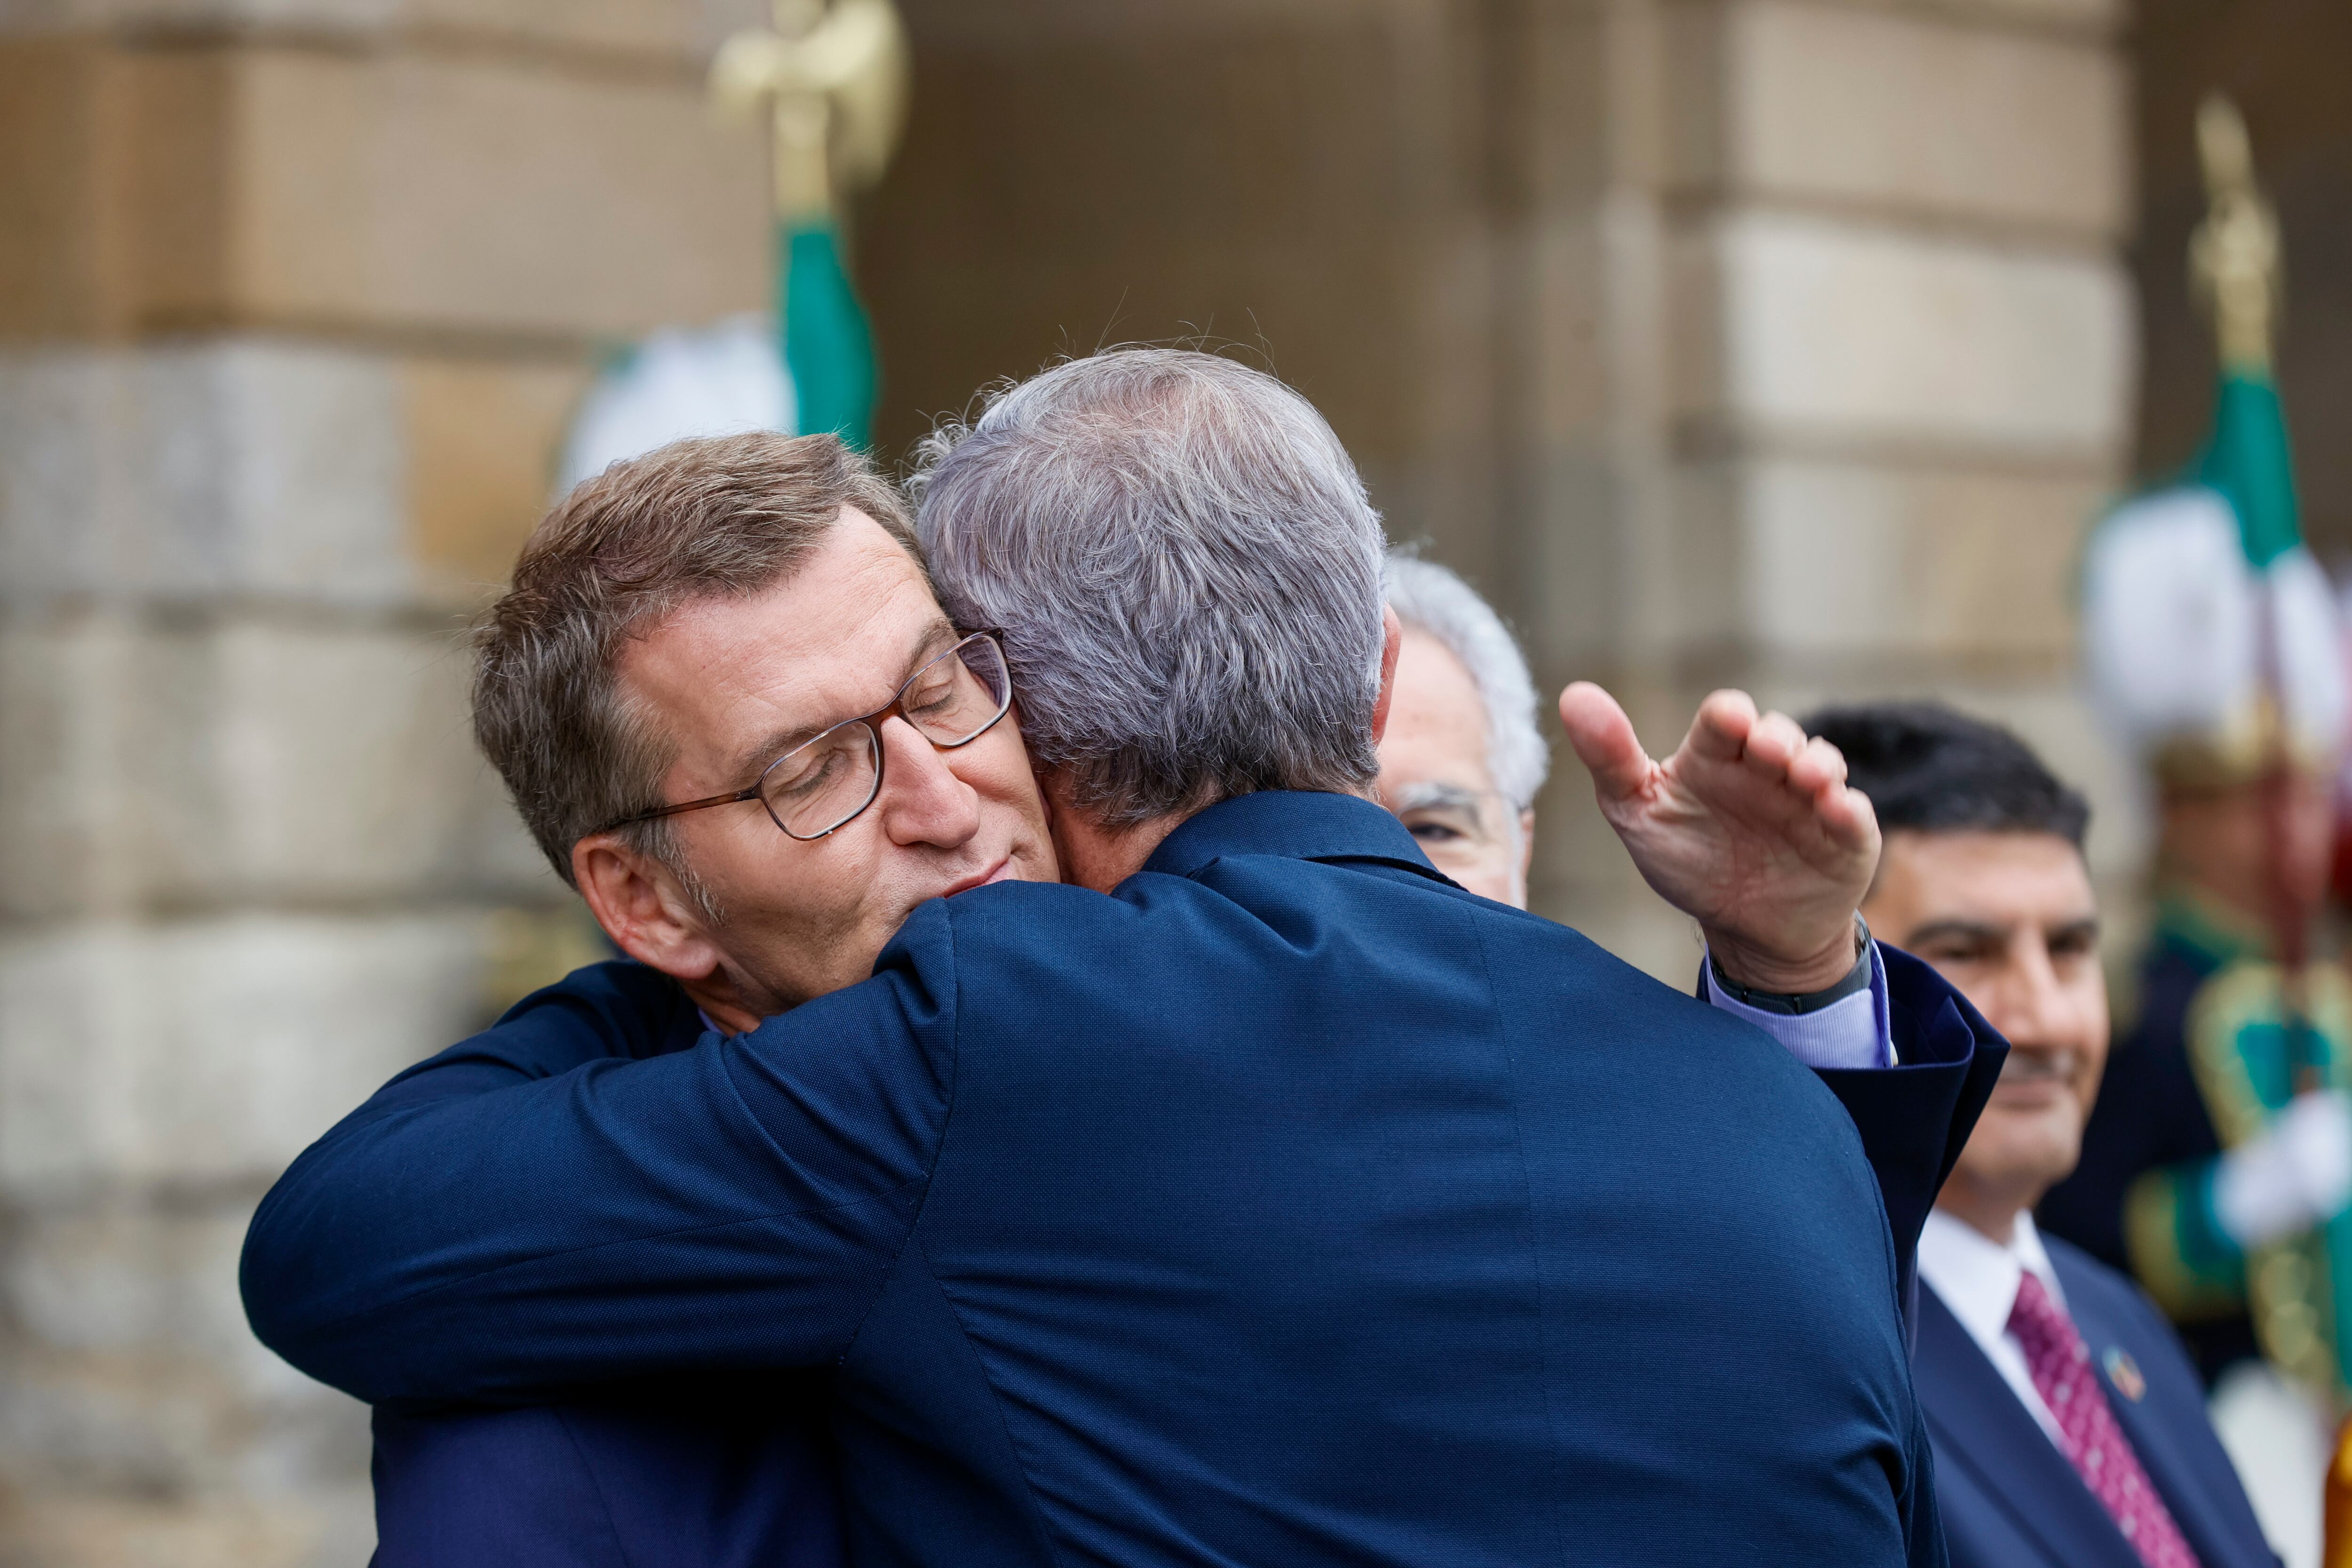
{"x": 1903, "y": 358}
{"x": 294, "y": 296}
{"x": 1775, "y": 342}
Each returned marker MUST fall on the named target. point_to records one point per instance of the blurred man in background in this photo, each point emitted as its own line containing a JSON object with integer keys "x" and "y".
{"x": 1463, "y": 757}
{"x": 2069, "y": 1425}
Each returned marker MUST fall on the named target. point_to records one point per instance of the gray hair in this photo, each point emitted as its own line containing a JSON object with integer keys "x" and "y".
{"x": 1429, "y": 598}
{"x": 1187, "y": 572}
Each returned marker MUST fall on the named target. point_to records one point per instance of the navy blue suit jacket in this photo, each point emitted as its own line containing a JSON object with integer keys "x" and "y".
{"x": 651, "y": 1478}
{"x": 1290, "y": 1205}
{"x": 2011, "y": 1499}
{"x": 669, "y": 1474}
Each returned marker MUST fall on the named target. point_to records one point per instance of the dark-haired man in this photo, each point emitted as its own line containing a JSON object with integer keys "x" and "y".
{"x": 2069, "y": 1426}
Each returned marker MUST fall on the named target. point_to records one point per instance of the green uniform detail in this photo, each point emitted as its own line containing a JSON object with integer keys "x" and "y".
{"x": 2246, "y": 1062}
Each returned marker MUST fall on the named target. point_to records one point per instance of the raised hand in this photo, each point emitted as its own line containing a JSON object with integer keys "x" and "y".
{"x": 1749, "y": 828}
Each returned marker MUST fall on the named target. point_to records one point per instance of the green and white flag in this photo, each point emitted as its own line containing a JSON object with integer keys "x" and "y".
{"x": 830, "y": 79}
{"x": 719, "y": 380}
{"x": 2204, "y": 614}
{"x": 2210, "y": 634}
{"x": 827, "y": 348}
{"x": 740, "y": 374}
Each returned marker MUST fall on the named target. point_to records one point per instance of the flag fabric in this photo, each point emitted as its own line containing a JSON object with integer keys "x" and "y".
{"x": 2247, "y": 461}
{"x": 2201, "y": 601}
{"x": 719, "y": 380}
{"x": 807, "y": 369}
{"x": 2213, "y": 646}
{"x": 824, "y": 339}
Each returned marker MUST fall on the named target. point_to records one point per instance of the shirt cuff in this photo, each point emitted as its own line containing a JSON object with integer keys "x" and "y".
{"x": 1855, "y": 1031}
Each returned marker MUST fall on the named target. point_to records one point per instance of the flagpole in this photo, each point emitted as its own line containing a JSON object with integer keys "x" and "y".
{"x": 2234, "y": 257}
{"x": 832, "y": 80}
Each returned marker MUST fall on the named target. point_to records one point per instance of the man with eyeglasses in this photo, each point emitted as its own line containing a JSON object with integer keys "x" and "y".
{"x": 1462, "y": 759}
{"x": 1287, "y": 1204}
{"x": 778, "y": 578}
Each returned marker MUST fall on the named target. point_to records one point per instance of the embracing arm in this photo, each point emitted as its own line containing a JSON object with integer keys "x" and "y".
{"x": 736, "y": 1203}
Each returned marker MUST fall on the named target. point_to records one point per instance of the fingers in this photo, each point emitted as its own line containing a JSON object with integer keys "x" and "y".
{"x": 1775, "y": 750}
{"x": 1815, "y": 771}
{"x": 1850, "y": 817}
{"x": 1816, "y": 767}
{"x": 1605, "y": 740}
{"x": 1729, "y": 730}
{"x": 1720, "y": 731}
{"x": 1774, "y": 746}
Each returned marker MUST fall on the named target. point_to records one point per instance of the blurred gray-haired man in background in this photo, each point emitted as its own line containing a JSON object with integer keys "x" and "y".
{"x": 1463, "y": 757}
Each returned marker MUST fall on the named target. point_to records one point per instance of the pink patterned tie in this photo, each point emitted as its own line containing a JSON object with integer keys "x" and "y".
{"x": 2061, "y": 1365}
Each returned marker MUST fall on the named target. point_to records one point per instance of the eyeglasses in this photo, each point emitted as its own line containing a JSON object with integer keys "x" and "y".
{"x": 820, "y": 784}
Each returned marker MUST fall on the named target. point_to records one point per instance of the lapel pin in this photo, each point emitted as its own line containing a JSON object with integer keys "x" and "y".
{"x": 2124, "y": 1373}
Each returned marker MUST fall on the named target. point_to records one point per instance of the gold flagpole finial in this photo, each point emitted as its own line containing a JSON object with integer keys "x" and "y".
{"x": 2233, "y": 257}
{"x": 834, "y": 80}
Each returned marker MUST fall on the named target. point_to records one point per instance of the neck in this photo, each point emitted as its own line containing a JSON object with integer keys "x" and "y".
{"x": 1100, "y": 858}
{"x": 1990, "y": 1210}
{"x": 1094, "y": 856}
{"x": 723, "y": 1003}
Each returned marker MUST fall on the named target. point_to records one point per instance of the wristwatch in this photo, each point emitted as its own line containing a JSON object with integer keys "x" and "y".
{"x": 1798, "y": 1004}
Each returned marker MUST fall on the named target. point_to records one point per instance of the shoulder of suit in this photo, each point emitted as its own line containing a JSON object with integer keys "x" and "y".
{"x": 640, "y": 1004}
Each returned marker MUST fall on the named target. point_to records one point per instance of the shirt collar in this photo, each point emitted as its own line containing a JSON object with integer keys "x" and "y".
{"x": 1977, "y": 1276}
{"x": 1298, "y": 825}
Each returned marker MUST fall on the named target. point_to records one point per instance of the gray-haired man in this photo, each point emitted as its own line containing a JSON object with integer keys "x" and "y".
{"x": 1462, "y": 759}
{"x": 1287, "y": 1205}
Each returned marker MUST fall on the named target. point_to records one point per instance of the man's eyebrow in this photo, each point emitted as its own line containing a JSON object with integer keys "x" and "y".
{"x": 1434, "y": 792}
{"x": 1992, "y": 931}
{"x": 754, "y": 759}
{"x": 1955, "y": 930}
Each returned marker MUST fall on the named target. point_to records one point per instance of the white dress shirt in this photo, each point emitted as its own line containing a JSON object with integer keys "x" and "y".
{"x": 1978, "y": 1277}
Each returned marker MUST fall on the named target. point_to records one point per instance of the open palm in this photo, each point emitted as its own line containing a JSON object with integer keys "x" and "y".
{"x": 1749, "y": 828}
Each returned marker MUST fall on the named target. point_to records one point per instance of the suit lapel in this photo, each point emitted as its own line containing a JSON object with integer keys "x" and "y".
{"x": 1978, "y": 1422}
{"x": 2152, "y": 1426}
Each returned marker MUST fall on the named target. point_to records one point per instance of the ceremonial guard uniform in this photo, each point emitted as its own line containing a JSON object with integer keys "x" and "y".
{"x": 2217, "y": 1163}
{"x": 2205, "y": 1068}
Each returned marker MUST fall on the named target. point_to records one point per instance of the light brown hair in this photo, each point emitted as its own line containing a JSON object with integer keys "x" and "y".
{"x": 720, "y": 516}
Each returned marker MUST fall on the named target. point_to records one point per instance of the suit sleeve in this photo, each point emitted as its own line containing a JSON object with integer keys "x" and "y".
{"x": 1915, "y": 1118}
{"x": 734, "y": 1205}
{"x": 1923, "y": 1522}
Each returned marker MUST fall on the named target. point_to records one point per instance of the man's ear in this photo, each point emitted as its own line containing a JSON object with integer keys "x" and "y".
{"x": 642, "y": 906}
{"x": 1392, "y": 643}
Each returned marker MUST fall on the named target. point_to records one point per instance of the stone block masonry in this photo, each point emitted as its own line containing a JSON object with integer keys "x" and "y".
{"x": 295, "y": 299}
{"x": 1782, "y": 342}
